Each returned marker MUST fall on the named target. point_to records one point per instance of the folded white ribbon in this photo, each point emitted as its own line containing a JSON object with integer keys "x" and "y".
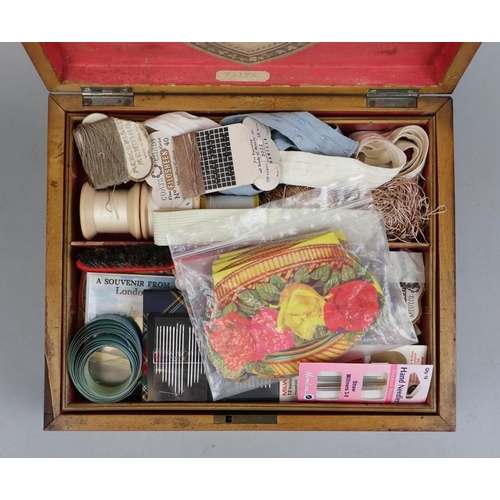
{"x": 379, "y": 152}
{"x": 193, "y": 227}
{"x": 167, "y": 221}
{"x": 178, "y": 123}
{"x": 312, "y": 170}
{"x": 406, "y": 147}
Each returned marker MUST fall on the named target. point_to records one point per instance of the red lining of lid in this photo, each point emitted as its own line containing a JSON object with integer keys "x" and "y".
{"x": 325, "y": 64}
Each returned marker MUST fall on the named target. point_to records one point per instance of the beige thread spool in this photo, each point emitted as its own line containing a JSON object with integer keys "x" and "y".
{"x": 110, "y": 211}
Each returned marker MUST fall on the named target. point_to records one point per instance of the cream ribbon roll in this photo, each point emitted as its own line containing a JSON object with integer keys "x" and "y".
{"x": 408, "y": 144}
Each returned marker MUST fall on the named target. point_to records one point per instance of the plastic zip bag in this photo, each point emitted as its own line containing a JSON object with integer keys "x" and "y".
{"x": 305, "y": 278}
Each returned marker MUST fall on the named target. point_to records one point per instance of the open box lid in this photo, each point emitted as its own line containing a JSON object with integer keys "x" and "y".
{"x": 284, "y": 67}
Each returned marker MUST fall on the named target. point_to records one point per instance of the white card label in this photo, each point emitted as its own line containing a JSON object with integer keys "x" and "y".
{"x": 136, "y": 146}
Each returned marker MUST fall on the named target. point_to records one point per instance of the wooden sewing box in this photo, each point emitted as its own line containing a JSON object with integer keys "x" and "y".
{"x": 358, "y": 86}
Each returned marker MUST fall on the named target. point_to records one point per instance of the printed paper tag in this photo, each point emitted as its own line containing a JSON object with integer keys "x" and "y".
{"x": 265, "y": 155}
{"x": 163, "y": 181}
{"x": 412, "y": 293}
{"x": 136, "y": 146}
{"x": 289, "y": 389}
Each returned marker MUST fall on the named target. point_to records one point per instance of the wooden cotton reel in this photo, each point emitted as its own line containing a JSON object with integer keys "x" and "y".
{"x": 119, "y": 211}
{"x": 114, "y": 211}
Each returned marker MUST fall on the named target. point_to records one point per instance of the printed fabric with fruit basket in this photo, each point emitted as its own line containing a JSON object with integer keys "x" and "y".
{"x": 283, "y": 303}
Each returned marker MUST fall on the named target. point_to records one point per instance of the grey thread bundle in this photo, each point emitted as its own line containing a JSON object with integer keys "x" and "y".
{"x": 102, "y": 153}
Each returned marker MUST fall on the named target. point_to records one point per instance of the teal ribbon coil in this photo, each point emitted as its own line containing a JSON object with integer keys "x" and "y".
{"x": 105, "y": 357}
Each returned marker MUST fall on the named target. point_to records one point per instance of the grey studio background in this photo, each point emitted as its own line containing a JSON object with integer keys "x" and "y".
{"x": 23, "y": 128}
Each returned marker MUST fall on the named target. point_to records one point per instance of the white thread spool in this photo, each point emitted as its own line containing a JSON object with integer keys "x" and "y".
{"x": 110, "y": 211}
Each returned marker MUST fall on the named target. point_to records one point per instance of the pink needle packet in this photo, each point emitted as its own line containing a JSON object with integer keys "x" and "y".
{"x": 364, "y": 383}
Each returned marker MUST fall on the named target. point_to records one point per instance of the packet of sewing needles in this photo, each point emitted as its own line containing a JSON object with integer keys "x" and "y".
{"x": 362, "y": 383}
{"x": 175, "y": 370}
{"x": 305, "y": 278}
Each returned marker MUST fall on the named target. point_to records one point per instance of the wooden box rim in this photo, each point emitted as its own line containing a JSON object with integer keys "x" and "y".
{"x": 440, "y": 416}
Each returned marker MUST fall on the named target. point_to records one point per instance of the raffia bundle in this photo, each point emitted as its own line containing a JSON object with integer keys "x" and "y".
{"x": 405, "y": 208}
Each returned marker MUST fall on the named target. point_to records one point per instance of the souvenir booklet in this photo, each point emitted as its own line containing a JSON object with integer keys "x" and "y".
{"x": 116, "y": 293}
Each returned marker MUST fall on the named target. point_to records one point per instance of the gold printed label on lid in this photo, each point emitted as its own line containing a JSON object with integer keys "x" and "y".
{"x": 250, "y": 52}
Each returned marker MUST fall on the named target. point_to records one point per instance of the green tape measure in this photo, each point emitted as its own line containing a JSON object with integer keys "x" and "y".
{"x": 105, "y": 358}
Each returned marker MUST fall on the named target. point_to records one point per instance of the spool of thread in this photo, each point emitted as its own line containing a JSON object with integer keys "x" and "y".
{"x": 147, "y": 206}
{"x": 110, "y": 211}
{"x": 113, "y": 151}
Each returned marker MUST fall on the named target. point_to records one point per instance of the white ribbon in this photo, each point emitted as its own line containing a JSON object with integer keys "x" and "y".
{"x": 178, "y": 123}
{"x": 312, "y": 170}
{"x": 408, "y": 145}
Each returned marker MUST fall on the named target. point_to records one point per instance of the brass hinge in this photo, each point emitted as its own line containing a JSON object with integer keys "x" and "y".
{"x": 107, "y": 96}
{"x": 395, "y": 98}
